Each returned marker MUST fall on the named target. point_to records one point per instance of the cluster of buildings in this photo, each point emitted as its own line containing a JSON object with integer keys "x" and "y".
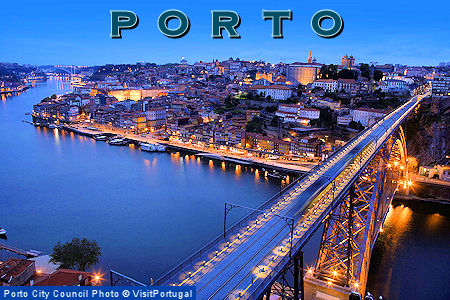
{"x": 216, "y": 103}
{"x": 15, "y": 78}
{"x": 28, "y": 272}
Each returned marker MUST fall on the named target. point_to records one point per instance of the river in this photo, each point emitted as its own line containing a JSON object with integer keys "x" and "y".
{"x": 149, "y": 211}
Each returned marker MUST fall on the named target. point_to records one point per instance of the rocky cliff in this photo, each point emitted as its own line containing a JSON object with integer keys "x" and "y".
{"x": 427, "y": 132}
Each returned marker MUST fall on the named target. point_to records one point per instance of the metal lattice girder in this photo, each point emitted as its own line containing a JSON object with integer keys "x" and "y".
{"x": 351, "y": 229}
{"x": 289, "y": 283}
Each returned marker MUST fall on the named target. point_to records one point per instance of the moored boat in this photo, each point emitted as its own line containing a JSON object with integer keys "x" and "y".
{"x": 117, "y": 142}
{"x": 100, "y": 137}
{"x": 276, "y": 174}
{"x": 148, "y": 147}
{"x": 161, "y": 148}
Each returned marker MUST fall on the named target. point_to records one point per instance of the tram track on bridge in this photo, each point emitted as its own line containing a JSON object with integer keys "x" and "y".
{"x": 342, "y": 167}
{"x": 293, "y": 210}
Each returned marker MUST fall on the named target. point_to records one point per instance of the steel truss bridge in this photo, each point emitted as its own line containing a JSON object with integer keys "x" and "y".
{"x": 348, "y": 195}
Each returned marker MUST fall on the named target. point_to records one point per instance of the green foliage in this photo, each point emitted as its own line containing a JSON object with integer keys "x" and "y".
{"x": 421, "y": 120}
{"x": 347, "y": 74}
{"x": 356, "y": 125}
{"x": 244, "y": 96}
{"x": 77, "y": 254}
{"x": 52, "y": 97}
{"x": 328, "y": 72}
{"x": 275, "y": 121}
{"x": 271, "y": 109}
{"x": 230, "y": 102}
{"x": 300, "y": 89}
{"x": 326, "y": 118}
{"x": 365, "y": 70}
{"x": 290, "y": 100}
{"x": 382, "y": 102}
{"x": 256, "y": 125}
{"x": 377, "y": 75}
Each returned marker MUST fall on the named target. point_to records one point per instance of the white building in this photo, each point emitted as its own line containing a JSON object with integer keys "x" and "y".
{"x": 73, "y": 113}
{"x": 297, "y": 114}
{"x": 347, "y": 85}
{"x": 332, "y": 86}
{"x": 276, "y": 92}
{"x": 329, "y": 85}
{"x": 344, "y": 120}
{"x": 309, "y": 113}
{"x": 235, "y": 66}
{"x": 397, "y": 76}
{"x": 394, "y": 85}
{"x": 327, "y": 102}
{"x": 440, "y": 86}
{"x": 367, "y": 116}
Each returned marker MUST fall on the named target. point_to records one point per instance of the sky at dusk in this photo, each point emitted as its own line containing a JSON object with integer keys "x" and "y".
{"x": 78, "y": 32}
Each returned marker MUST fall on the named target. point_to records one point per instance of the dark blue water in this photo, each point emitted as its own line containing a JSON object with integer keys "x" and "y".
{"x": 411, "y": 256}
{"x": 147, "y": 211}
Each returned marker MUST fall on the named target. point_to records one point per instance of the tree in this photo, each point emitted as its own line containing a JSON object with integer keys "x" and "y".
{"x": 300, "y": 89}
{"x": 347, "y": 74}
{"x": 256, "y": 125}
{"x": 275, "y": 121}
{"x": 377, "y": 75}
{"x": 356, "y": 125}
{"x": 365, "y": 70}
{"x": 328, "y": 72}
{"x": 271, "y": 108}
{"x": 77, "y": 254}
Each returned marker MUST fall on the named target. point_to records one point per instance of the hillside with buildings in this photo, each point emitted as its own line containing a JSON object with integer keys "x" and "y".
{"x": 301, "y": 111}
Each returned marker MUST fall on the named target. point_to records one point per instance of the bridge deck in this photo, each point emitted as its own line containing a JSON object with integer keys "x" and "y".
{"x": 243, "y": 265}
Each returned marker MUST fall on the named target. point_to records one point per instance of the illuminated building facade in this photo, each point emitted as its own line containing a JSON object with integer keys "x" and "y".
{"x": 348, "y": 62}
{"x": 440, "y": 86}
{"x": 303, "y": 73}
{"x": 138, "y": 94}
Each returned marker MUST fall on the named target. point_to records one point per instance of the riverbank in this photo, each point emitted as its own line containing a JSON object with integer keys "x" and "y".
{"x": 414, "y": 198}
{"x": 288, "y": 167}
{"x": 20, "y": 89}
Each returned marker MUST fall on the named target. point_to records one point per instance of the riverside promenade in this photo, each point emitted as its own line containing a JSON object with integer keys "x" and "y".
{"x": 217, "y": 154}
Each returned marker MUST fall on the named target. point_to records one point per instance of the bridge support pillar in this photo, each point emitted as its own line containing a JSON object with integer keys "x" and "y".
{"x": 316, "y": 289}
{"x": 289, "y": 284}
{"x": 296, "y": 278}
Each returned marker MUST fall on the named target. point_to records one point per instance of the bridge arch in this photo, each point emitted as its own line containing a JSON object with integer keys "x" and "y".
{"x": 351, "y": 229}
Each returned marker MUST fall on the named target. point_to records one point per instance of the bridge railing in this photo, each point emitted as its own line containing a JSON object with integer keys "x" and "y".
{"x": 279, "y": 267}
{"x": 214, "y": 244}
{"x": 298, "y": 245}
{"x": 119, "y": 279}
